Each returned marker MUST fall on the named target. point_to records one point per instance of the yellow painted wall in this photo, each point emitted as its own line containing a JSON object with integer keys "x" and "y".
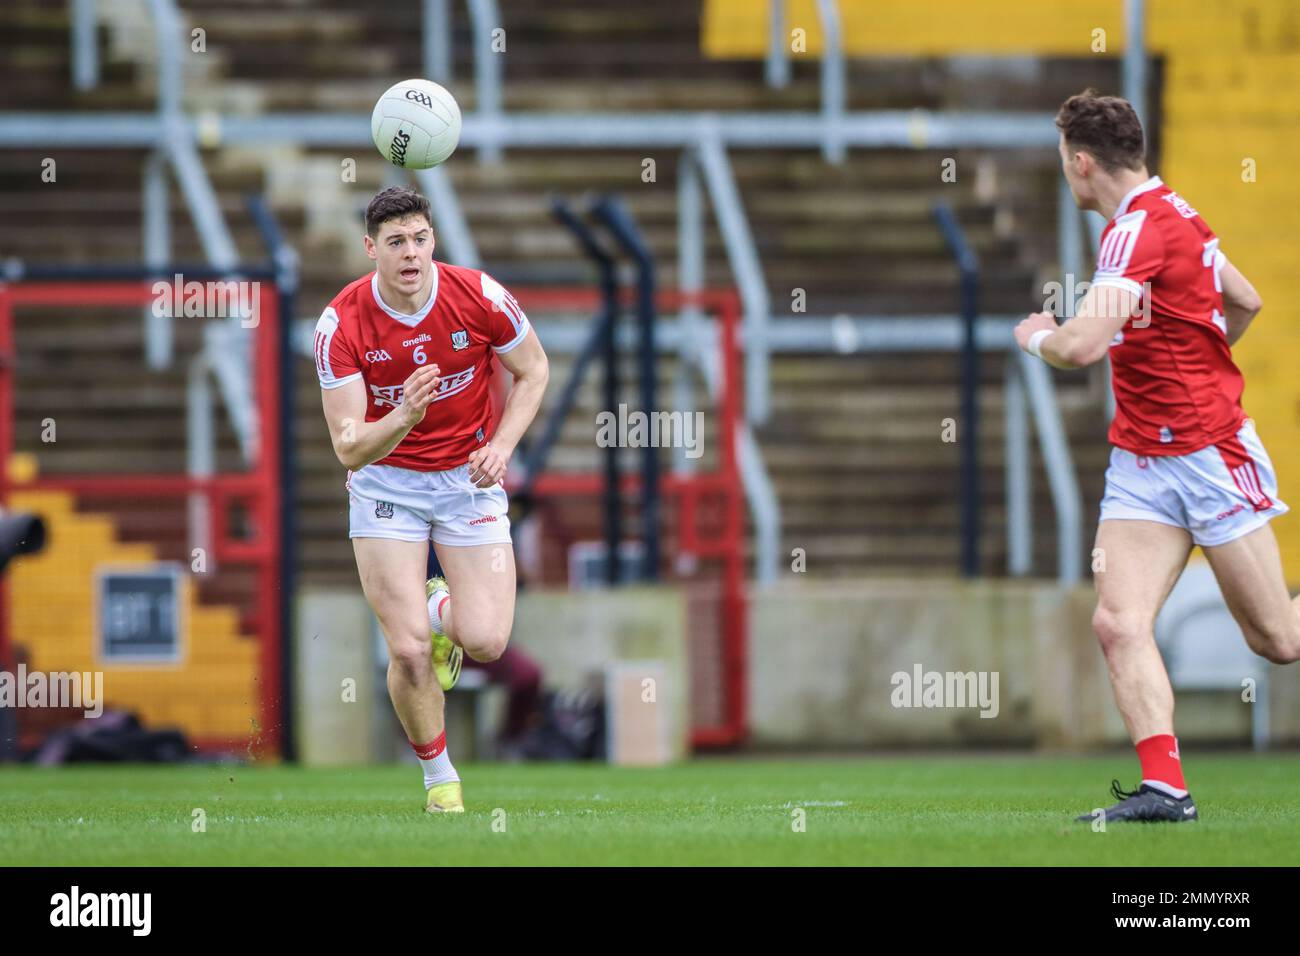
{"x": 211, "y": 693}
{"x": 1232, "y": 93}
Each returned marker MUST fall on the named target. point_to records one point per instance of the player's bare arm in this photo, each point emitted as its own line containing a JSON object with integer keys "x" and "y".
{"x": 358, "y": 442}
{"x": 1241, "y": 303}
{"x": 528, "y": 364}
{"x": 1083, "y": 340}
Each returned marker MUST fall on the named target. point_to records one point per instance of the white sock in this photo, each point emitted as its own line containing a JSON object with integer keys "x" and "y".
{"x": 435, "y": 762}
{"x": 1166, "y": 788}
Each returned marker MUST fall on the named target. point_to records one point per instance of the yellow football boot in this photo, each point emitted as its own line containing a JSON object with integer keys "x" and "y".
{"x": 444, "y": 798}
{"x": 447, "y": 655}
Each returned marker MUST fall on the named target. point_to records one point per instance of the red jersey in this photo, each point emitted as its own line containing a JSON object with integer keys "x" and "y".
{"x": 469, "y": 316}
{"x": 1177, "y": 389}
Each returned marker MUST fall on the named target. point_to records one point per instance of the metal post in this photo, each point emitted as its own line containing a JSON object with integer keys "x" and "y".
{"x": 615, "y": 216}
{"x": 285, "y": 261}
{"x": 832, "y": 81}
{"x": 1069, "y": 241}
{"x": 85, "y": 45}
{"x": 200, "y": 453}
{"x": 169, "y": 38}
{"x": 596, "y": 341}
{"x": 690, "y": 281}
{"x": 1135, "y": 57}
{"x": 777, "y": 71}
{"x": 1019, "y": 493}
{"x": 487, "y": 76}
{"x": 969, "y": 435}
{"x": 436, "y": 29}
{"x": 156, "y": 204}
{"x": 745, "y": 266}
{"x": 1061, "y": 479}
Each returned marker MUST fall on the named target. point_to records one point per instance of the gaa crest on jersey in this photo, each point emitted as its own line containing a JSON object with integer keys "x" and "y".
{"x": 383, "y": 509}
{"x": 460, "y": 340}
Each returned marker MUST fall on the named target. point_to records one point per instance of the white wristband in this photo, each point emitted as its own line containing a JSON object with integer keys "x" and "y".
{"x": 1035, "y": 346}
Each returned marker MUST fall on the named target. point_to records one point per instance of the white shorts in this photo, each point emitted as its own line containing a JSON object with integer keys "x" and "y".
{"x": 1218, "y": 494}
{"x": 442, "y": 506}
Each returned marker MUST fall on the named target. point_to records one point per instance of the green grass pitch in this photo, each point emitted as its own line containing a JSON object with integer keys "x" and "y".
{"x": 994, "y": 810}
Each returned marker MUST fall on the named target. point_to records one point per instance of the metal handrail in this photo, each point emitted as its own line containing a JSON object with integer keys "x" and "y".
{"x": 833, "y": 85}
{"x": 167, "y": 33}
{"x": 968, "y": 265}
{"x": 85, "y": 45}
{"x": 777, "y": 66}
{"x": 435, "y": 37}
{"x": 868, "y": 129}
{"x": 746, "y": 266}
{"x": 614, "y": 216}
{"x": 1135, "y": 56}
{"x": 449, "y": 217}
{"x": 486, "y": 18}
{"x": 1030, "y": 390}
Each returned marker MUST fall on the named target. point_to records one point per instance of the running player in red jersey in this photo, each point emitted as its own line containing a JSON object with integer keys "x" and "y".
{"x": 404, "y": 357}
{"x": 1187, "y": 467}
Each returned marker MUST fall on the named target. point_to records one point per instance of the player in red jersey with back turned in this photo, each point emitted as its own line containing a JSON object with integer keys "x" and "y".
{"x": 404, "y": 358}
{"x": 1187, "y": 467}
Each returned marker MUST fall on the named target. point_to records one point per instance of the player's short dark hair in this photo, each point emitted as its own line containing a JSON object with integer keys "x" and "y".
{"x": 395, "y": 202}
{"x": 1105, "y": 126}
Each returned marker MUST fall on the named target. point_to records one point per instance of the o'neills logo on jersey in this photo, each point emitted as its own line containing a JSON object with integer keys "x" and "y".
{"x": 486, "y": 519}
{"x": 423, "y": 337}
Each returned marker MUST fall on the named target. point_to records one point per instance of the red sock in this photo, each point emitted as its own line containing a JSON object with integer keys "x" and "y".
{"x": 1160, "y": 761}
{"x": 433, "y": 748}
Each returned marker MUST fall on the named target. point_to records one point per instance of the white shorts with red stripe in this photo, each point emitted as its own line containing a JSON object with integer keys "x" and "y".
{"x": 1218, "y": 494}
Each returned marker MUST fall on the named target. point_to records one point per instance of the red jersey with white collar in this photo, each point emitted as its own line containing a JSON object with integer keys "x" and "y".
{"x": 469, "y": 317}
{"x": 1177, "y": 389}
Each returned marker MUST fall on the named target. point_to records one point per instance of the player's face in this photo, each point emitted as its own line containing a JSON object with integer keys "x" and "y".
{"x": 403, "y": 254}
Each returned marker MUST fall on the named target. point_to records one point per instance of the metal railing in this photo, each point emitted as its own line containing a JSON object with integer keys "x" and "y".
{"x": 742, "y": 254}
{"x": 710, "y": 159}
{"x": 1028, "y": 388}
{"x": 85, "y": 45}
{"x": 1135, "y": 56}
{"x": 833, "y": 83}
{"x": 435, "y": 24}
{"x": 969, "y": 491}
{"x": 449, "y": 218}
{"x": 777, "y": 67}
{"x": 703, "y": 138}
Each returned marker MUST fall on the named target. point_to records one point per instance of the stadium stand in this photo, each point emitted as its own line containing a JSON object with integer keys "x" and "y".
{"x": 863, "y": 485}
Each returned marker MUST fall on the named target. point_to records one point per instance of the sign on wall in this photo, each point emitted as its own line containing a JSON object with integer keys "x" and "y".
{"x": 137, "y": 614}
